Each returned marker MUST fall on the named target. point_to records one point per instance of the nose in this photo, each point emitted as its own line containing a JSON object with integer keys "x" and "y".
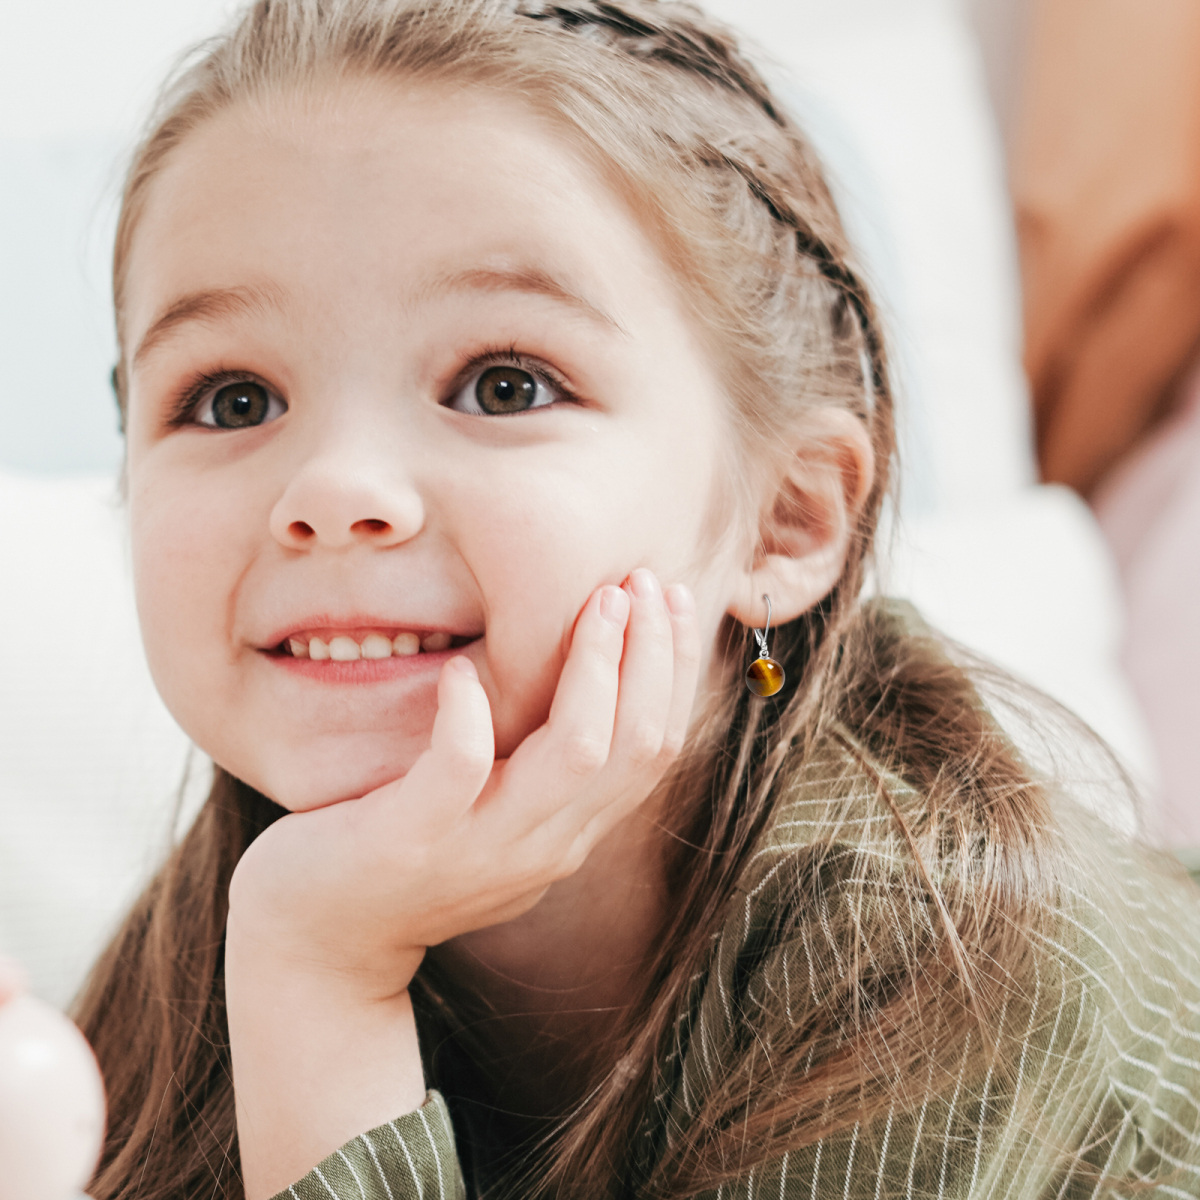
{"x": 342, "y": 500}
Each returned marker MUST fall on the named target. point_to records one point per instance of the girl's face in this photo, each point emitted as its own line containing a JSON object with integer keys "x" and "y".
{"x": 399, "y": 364}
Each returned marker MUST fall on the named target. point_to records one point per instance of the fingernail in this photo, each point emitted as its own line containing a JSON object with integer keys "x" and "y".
{"x": 465, "y": 665}
{"x": 680, "y": 600}
{"x": 645, "y": 586}
{"x": 614, "y": 606}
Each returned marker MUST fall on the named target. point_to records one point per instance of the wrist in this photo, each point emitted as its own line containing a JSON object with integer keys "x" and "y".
{"x": 317, "y": 1060}
{"x": 267, "y": 954}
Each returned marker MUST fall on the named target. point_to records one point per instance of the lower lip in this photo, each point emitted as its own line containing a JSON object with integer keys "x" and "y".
{"x": 368, "y": 670}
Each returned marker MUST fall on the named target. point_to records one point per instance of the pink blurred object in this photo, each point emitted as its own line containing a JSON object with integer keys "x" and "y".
{"x": 1149, "y": 509}
{"x": 13, "y": 979}
{"x": 51, "y": 1103}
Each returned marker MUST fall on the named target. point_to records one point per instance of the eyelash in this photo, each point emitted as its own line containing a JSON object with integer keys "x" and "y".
{"x": 187, "y": 399}
{"x": 508, "y": 356}
{"x": 183, "y": 407}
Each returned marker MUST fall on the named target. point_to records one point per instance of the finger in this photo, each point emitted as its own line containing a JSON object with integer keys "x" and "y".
{"x": 555, "y": 762}
{"x": 580, "y": 725}
{"x": 647, "y": 671}
{"x": 447, "y": 779}
{"x": 685, "y": 640}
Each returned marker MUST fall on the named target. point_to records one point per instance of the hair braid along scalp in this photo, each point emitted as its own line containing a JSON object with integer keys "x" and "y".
{"x": 720, "y": 62}
{"x": 663, "y": 102}
{"x": 692, "y": 49}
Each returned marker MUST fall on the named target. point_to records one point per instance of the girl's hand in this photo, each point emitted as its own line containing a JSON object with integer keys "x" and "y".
{"x": 356, "y": 891}
{"x": 331, "y": 910}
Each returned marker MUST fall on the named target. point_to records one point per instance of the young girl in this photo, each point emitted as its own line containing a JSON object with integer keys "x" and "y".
{"x": 498, "y": 389}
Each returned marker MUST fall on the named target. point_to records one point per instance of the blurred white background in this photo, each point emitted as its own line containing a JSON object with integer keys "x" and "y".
{"x": 76, "y": 78}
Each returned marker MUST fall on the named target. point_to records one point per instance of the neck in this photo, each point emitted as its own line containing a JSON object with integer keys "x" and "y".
{"x": 556, "y": 982}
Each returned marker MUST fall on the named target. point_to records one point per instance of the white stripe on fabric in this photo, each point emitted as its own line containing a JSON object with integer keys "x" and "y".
{"x": 361, "y": 1190}
{"x": 378, "y": 1167}
{"x": 325, "y": 1181}
{"x": 437, "y": 1158}
{"x": 412, "y": 1166}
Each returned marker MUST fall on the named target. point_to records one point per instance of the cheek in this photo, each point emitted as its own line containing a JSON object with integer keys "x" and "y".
{"x": 539, "y": 551}
{"x": 534, "y": 585}
{"x": 184, "y": 566}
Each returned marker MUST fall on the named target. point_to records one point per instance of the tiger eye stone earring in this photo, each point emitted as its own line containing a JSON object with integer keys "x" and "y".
{"x": 765, "y": 677}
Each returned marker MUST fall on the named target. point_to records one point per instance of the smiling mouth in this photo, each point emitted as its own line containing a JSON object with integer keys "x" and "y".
{"x": 330, "y": 646}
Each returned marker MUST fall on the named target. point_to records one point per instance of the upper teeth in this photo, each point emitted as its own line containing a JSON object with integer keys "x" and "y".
{"x": 344, "y": 648}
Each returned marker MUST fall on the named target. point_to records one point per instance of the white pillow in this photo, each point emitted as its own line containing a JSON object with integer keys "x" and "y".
{"x": 1028, "y": 581}
{"x": 90, "y": 762}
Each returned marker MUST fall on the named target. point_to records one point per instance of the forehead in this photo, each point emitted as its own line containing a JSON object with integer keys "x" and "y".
{"x": 374, "y": 186}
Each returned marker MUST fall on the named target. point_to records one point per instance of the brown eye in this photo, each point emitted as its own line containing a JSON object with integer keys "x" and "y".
{"x": 239, "y": 405}
{"x": 505, "y": 390}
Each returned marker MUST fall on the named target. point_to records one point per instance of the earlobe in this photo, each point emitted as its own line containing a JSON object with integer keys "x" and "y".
{"x": 808, "y": 525}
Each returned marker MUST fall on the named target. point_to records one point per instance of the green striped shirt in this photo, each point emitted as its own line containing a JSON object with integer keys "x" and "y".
{"x": 1096, "y": 1095}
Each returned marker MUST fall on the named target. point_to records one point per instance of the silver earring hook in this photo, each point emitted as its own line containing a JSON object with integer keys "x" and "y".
{"x": 761, "y": 638}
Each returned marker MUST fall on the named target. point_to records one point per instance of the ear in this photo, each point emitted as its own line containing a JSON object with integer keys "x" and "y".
{"x": 808, "y": 521}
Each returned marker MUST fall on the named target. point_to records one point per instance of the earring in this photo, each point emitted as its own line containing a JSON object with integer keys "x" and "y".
{"x": 764, "y": 676}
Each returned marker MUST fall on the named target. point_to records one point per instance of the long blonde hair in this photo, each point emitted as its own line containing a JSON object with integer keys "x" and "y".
{"x": 665, "y": 103}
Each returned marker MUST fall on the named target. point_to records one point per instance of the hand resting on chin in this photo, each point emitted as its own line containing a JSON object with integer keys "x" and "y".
{"x": 331, "y": 909}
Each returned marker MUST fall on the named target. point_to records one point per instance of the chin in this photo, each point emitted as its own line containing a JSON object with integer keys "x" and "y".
{"x": 312, "y": 780}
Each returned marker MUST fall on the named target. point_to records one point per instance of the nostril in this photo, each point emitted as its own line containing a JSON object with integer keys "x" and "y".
{"x": 370, "y": 525}
{"x": 300, "y": 530}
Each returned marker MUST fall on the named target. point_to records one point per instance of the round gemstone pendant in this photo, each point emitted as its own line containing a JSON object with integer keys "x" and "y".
{"x": 764, "y": 677}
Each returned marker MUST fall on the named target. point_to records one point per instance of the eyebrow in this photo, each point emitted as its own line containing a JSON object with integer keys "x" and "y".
{"x": 210, "y": 304}
{"x": 215, "y": 304}
{"x": 527, "y": 279}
